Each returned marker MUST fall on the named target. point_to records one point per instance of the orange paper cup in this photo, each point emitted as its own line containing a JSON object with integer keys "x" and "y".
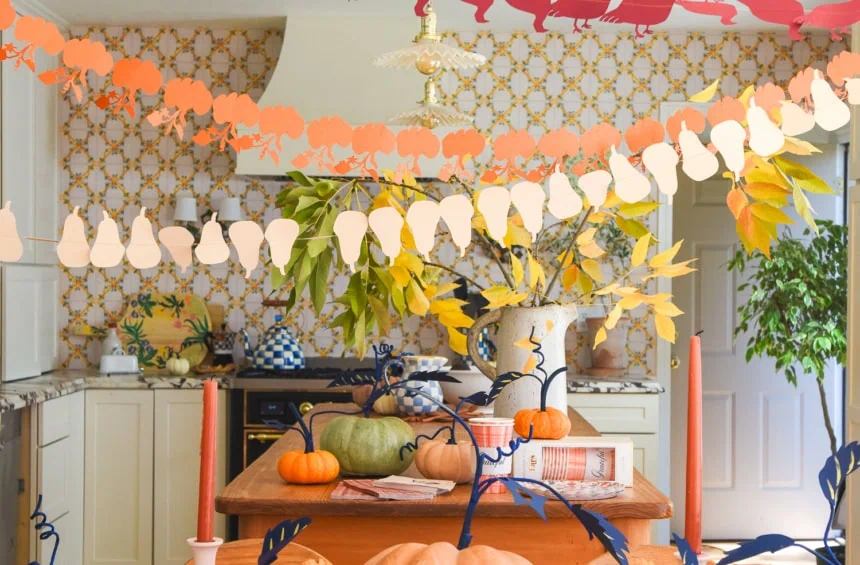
{"x": 492, "y": 433}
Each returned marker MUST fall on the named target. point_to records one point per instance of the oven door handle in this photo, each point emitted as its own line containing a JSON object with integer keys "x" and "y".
{"x": 265, "y": 437}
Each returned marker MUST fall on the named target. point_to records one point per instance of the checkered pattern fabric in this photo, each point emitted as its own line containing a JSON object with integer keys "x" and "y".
{"x": 418, "y": 405}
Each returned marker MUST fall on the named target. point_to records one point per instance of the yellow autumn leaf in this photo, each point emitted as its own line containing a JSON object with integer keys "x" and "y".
{"x": 537, "y": 276}
{"x": 670, "y": 271}
{"x": 455, "y": 319}
{"x": 637, "y": 209}
{"x": 592, "y": 269}
{"x": 665, "y": 327}
{"x": 613, "y": 317}
{"x": 600, "y": 337}
{"x": 586, "y": 236}
{"x": 585, "y": 285}
{"x": 667, "y": 309}
{"x": 612, "y": 200}
{"x": 640, "y": 250}
{"x": 630, "y": 302}
{"x": 565, "y": 259}
{"x": 625, "y": 290}
{"x": 601, "y": 217}
{"x": 665, "y": 257}
{"x": 707, "y": 94}
{"x": 530, "y": 364}
{"x": 411, "y": 262}
{"x": 407, "y": 239}
{"x": 768, "y": 213}
{"x": 517, "y": 270}
{"x": 415, "y": 299}
{"x": 656, "y": 298}
{"x": 802, "y": 176}
{"x": 591, "y": 250}
{"x": 400, "y": 274}
{"x": 800, "y": 147}
{"x": 746, "y": 95}
{"x": 517, "y": 235}
{"x": 495, "y": 293}
{"x": 457, "y": 341}
{"x": 607, "y": 289}
{"x": 446, "y": 288}
{"x": 568, "y": 277}
{"x": 804, "y": 208}
{"x": 446, "y": 305}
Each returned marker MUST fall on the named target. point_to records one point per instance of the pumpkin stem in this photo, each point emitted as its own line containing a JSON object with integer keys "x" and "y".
{"x": 305, "y": 430}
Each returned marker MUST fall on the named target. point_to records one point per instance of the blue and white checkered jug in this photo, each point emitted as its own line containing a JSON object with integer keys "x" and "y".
{"x": 277, "y": 350}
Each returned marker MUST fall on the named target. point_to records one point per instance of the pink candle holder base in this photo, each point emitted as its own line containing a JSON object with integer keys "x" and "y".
{"x": 204, "y": 552}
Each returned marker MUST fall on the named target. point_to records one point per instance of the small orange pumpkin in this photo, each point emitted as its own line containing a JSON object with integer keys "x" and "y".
{"x": 313, "y": 468}
{"x": 361, "y": 393}
{"x": 548, "y": 424}
{"x": 444, "y": 553}
{"x": 443, "y": 461}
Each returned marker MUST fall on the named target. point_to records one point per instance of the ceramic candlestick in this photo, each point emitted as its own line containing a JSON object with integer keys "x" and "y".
{"x": 204, "y": 552}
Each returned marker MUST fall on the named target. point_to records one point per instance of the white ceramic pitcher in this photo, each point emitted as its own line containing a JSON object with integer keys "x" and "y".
{"x": 550, "y": 324}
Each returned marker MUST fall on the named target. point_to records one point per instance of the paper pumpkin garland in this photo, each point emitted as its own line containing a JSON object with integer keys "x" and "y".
{"x": 178, "y": 241}
{"x": 74, "y": 249}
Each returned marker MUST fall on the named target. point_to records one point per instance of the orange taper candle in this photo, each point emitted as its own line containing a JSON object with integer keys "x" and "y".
{"x": 206, "y": 497}
{"x": 693, "y": 516}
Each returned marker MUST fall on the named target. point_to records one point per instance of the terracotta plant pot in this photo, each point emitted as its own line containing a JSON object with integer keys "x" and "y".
{"x": 611, "y": 355}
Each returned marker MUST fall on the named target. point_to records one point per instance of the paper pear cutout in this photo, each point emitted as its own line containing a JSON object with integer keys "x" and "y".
{"x": 74, "y": 249}
{"x": 529, "y": 197}
{"x": 143, "y": 252}
{"x": 831, "y": 113}
{"x": 494, "y": 203}
{"x": 457, "y": 211}
{"x": 387, "y": 223}
{"x": 423, "y": 217}
{"x": 795, "y": 120}
{"x": 595, "y": 185}
{"x": 630, "y": 185}
{"x": 729, "y": 137}
{"x": 699, "y": 164}
{"x": 281, "y": 235}
{"x": 564, "y": 202}
{"x": 11, "y": 248}
{"x": 662, "y": 161}
{"x": 108, "y": 250}
{"x": 212, "y": 248}
{"x": 765, "y": 138}
{"x": 350, "y": 227}
{"x": 247, "y": 237}
{"x": 852, "y": 85}
{"x": 178, "y": 242}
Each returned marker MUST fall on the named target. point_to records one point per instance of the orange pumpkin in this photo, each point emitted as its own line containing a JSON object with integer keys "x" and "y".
{"x": 360, "y": 393}
{"x": 548, "y": 424}
{"x": 312, "y": 468}
{"x": 443, "y": 553}
{"x": 443, "y": 461}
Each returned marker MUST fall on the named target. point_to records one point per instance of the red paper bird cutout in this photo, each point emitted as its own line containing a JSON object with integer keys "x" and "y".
{"x": 579, "y": 10}
{"x": 640, "y": 13}
{"x": 539, "y": 8}
{"x": 724, "y": 10}
{"x": 782, "y": 12}
{"x": 834, "y": 17}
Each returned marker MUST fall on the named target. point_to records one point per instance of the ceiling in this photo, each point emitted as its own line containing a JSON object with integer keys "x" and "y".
{"x": 453, "y": 14}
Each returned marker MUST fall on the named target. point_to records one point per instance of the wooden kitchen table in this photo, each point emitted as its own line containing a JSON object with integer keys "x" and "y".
{"x": 351, "y": 531}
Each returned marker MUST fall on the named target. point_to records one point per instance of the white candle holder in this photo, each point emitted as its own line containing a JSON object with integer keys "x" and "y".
{"x": 204, "y": 552}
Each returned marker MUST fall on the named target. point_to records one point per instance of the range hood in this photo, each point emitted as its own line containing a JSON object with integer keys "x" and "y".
{"x": 325, "y": 70}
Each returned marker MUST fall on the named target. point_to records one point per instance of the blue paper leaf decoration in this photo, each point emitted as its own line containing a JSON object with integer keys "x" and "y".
{"x": 279, "y": 537}
{"x": 688, "y": 556}
{"x": 500, "y": 383}
{"x": 836, "y": 469}
{"x": 762, "y": 544}
{"x": 350, "y": 379}
{"x": 478, "y": 399}
{"x": 525, "y": 496}
{"x": 609, "y": 536}
{"x": 425, "y": 376}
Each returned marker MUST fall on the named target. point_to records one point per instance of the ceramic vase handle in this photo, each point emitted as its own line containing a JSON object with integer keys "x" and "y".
{"x": 474, "y": 334}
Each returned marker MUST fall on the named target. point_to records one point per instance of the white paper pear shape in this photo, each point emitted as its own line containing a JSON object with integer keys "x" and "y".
{"x": 422, "y": 218}
{"x": 852, "y": 85}
{"x": 457, "y": 211}
{"x": 74, "y": 249}
{"x": 212, "y": 248}
{"x": 831, "y": 113}
{"x": 143, "y": 251}
{"x": 387, "y": 224}
{"x": 595, "y": 185}
{"x": 661, "y": 160}
{"x": 728, "y": 137}
{"x": 247, "y": 237}
{"x": 630, "y": 185}
{"x": 529, "y": 197}
{"x": 281, "y": 235}
{"x": 699, "y": 164}
{"x": 765, "y": 138}
{"x": 11, "y": 248}
{"x": 108, "y": 250}
{"x": 494, "y": 203}
{"x": 178, "y": 242}
{"x": 350, "y": 227}
{"x": 795, "y": 120}
{"x": 564, "y": 202}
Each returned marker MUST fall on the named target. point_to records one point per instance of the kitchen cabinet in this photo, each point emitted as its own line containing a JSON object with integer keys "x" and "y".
{"x": 855, "y": 122}
{"x": 142, "y": 474}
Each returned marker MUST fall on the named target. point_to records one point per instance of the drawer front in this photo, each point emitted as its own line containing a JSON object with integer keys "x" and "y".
{"x": 55, "y": 476}
{"x": 54, "y": 418}
{"x": 618, "y": 413}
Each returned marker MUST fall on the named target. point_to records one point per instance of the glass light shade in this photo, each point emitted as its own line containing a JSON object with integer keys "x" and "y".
{"x": 230, "y": 210}
{"x": 186, "y": 209}
{"x": 428, "y": 56}
{"x": 212, "y": 248}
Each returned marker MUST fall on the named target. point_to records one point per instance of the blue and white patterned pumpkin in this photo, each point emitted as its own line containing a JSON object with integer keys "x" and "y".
{"x": 278, "y": 350}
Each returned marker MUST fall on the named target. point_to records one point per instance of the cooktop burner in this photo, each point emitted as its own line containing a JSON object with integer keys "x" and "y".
{"x": 322, "y": 373}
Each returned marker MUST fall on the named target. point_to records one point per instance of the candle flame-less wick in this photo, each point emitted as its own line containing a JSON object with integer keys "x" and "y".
{"x": 700, "y": 332}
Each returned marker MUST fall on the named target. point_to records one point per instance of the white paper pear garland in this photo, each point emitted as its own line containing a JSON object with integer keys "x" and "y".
{"x": 765, "y": 138}
{"x": 350, "y": 227}
{"x": 143, "y": 251}
{"x": 108, "y": 250}
{"x": 795, "y": 120}
{"x": 662, "y": 160}
{"x": 73, "y": 250}
{"x": 212, "y": 248}
{"x": 729, "y": 137}
{"x": 494, "y": 203}
{"x": 630, "y": 185}
{"x": 564, "y": 202}
{"x": 281, "y": 235}
{"x": 11, "y": 248}
{"x": 387, "y": 225}
{"x": 595, "y": 185}
{"x": 529, "y": 197}
{"x": 457, "y": 211}
{"x": 831, "y": 113}
{"x": 247, "y": 237}
{"x": 178, "y": 242}
{"x": 699, "y": 164}
{"x": 423, "y": 218}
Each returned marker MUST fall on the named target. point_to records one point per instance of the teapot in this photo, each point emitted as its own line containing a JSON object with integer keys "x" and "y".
{"x": 278, "y": 350}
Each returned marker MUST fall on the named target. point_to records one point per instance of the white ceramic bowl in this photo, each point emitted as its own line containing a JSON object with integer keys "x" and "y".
{"x": 470, "y": 382}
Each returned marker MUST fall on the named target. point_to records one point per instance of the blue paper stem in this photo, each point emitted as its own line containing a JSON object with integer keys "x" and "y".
{"x": 414, "y": 446}
{"x": 49, "y": 531}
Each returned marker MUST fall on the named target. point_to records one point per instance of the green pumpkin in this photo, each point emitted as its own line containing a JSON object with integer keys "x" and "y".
{"x": 368, "y": 446}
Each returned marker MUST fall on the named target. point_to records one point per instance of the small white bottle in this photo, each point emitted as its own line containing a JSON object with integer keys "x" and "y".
{"x": 111, "y": 345}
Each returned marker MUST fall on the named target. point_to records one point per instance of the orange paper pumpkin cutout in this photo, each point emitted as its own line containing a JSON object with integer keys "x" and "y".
{"x": 457, "y": 146}
{"x": 597, "y": 141}
{"x": 769, "y": 97}
{"x": 726, "y": 109}
{"x": 129, "y": 76}
{"x": 799, "y": 86}
{"x": 555, "y": 146}
{"x": 507, "y": 148}
{"x": 7, "y": 14}
{"x": 79, "y": 56}
{"x": 643, "y": 133}
{"x": 232, "y": 110}
{"x": 181, "y": 95}
{"x": 367, "y": 141}
{"x": 324, "y": 135}
{"x": 34, "y": 33}
{"x": 694, "y": 119}
{"x": 417, "y": 142}
{"x": 275, "y": 122}
{"x": 843, "y": 66}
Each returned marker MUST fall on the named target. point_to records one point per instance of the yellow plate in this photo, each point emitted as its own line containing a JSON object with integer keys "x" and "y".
{"x": 155, "y": 325}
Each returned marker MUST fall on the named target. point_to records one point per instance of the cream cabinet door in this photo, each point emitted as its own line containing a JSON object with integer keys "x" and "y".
{"x": 118, "y": 486}
{"x": 178, "y": 419}
{"x": 30, "y": 340}
{"x": 855, "y": 123}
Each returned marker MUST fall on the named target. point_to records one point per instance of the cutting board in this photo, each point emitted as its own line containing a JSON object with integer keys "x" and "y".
{"x": 155, "y": 325}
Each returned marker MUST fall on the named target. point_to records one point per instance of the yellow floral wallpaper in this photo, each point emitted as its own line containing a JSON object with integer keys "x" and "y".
{"x": 533, "y": 81}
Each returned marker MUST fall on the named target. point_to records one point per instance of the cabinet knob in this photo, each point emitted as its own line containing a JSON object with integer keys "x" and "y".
{"x": 305, "y": 407}
{"x": 674, "y": 362}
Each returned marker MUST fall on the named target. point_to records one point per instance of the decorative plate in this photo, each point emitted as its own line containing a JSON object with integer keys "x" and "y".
{"x": 582, "y": 490}
{"x": 157, "y": 324}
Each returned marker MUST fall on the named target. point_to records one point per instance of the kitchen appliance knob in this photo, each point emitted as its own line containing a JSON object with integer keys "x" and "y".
{"x": 305, "y": 407}
{"x": 675, "y": 362}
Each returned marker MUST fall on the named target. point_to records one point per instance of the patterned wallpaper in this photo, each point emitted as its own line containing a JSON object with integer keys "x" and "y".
{"x": 534, "y": 81}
